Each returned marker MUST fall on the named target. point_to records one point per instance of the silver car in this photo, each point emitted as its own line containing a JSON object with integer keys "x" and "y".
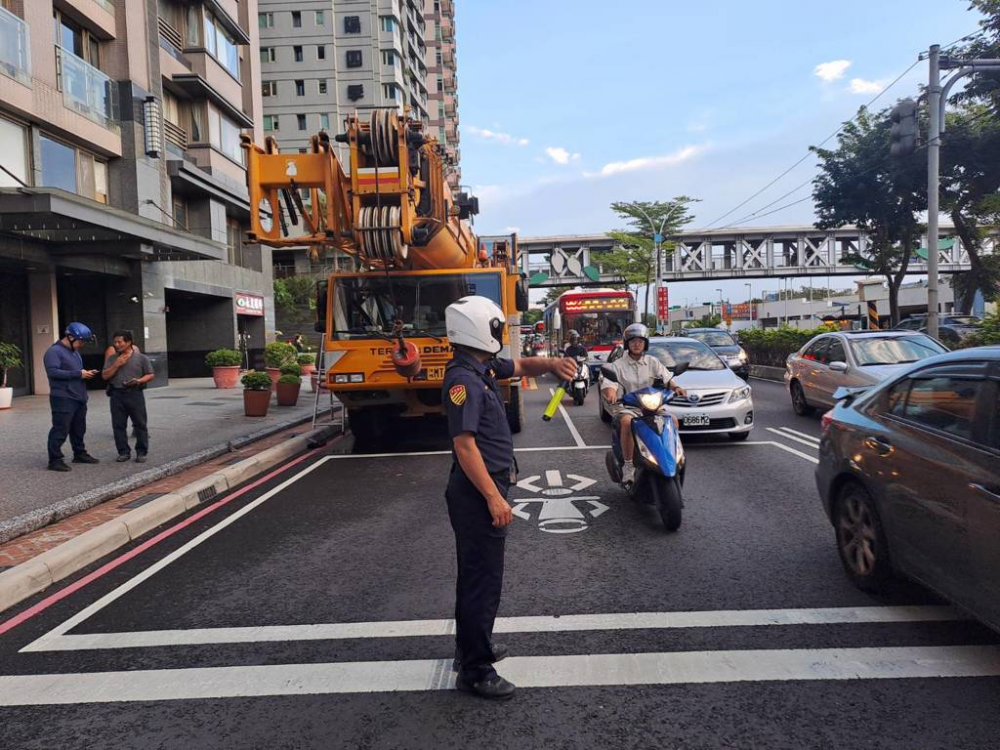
{"x": 850, "y": 359}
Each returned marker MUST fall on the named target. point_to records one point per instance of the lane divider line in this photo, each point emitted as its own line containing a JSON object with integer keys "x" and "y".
{"x": 793, "y": 438}
{"x": 538, "y": 624}
{"x": 166, "y": 534}
{"x": 569, "y": 423}
{"x": 800, "y": 454}
{"x": 585, "y": 670}
{"x": 802, "y": 434}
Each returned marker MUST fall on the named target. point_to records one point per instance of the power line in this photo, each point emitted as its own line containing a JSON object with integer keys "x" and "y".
{"x": 826, "y": 140}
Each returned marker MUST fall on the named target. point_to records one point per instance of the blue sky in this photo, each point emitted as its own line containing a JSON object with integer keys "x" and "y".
{"x": 568, "y": 106}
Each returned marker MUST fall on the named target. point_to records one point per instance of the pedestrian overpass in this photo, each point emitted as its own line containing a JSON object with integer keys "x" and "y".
{"x": 739, "y": 252}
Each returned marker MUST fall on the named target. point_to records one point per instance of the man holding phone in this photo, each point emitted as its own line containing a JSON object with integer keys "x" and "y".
{"x": 68, "y": 395}
{"x": 127, "y": 370}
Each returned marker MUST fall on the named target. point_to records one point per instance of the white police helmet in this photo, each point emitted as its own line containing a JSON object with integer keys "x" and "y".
{"x": 475, "y": 322}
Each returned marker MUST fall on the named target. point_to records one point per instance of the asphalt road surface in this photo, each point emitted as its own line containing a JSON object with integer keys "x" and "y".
{"x": 311, "y": 609}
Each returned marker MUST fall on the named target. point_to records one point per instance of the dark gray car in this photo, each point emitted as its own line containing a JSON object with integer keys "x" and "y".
{"x": 723, "y": 344}
{"x": 909, "y": 475}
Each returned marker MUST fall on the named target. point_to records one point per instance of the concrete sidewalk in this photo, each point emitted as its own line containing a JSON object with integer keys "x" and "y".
{"x": 189, "y": 421}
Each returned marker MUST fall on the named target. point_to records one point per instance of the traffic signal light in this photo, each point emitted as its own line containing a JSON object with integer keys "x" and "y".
{"x": 904, "y": 129}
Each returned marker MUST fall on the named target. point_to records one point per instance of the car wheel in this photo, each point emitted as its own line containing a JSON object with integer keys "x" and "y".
{"x": 799, "y": 404}
{"x": 860, "y": 539}
{"x": 739, "y": 436}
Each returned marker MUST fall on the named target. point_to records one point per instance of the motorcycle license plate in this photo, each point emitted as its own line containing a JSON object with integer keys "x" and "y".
{"x": 695, "y": 420}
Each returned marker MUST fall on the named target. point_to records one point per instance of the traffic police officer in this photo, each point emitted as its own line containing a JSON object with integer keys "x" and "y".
{"x": 481, "y": 475}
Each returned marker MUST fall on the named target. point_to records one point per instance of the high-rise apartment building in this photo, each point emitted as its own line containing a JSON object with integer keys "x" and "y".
{"x": 442, "y": 77}
{"x": 123, "y": 199}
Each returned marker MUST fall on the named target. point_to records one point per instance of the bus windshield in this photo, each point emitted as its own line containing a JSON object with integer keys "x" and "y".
{"x": 598, "y": 329}
{"x": 366, "y": 306}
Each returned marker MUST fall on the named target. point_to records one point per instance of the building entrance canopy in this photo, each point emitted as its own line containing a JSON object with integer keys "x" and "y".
{"x": 78, "y": 226}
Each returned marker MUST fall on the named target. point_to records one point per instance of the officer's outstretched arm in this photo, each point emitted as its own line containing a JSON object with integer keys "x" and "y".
{"x": 471, "y": 461}
{"x": 562, "y": 368}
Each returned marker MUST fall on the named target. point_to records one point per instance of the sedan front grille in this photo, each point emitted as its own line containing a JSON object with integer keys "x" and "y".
{"x": 704, "y": 399}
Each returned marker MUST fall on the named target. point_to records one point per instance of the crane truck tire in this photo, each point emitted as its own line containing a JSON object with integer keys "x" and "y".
{"x": 367, "y": 425}
{"x": 515, "y": 410}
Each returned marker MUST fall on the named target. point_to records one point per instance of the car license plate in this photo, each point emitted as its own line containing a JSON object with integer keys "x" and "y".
{"x": 435, "y": 373}
{"x": 697, "y": 420}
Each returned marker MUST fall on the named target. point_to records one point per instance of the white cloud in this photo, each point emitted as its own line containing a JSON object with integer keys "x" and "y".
{"x": 493, "y": 135}
{"x": 512, "y": 230}
{"x": 833, "y": 70}
{"x": 861, "y": 86}
{"x": 560, "y": 155}
{"x": 648, "y": 162}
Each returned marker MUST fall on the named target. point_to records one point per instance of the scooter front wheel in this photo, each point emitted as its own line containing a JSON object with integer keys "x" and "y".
{"x": 668, "y": 501}
{"x": 578, "y": 396}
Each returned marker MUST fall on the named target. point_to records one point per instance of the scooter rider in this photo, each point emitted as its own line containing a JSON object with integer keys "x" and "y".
{"x": 634, "y": 371}
{"x": 480, "y": 477}
{"x": 575, "y": 348}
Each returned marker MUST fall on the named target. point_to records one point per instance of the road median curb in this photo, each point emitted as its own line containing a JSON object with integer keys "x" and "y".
{"x": 38, "y": 573}
{"x": 775, "y": 374}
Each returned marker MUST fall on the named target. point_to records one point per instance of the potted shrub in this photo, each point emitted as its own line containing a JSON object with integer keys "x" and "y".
{"x": 10, "y": 359}
{"x": 256, "y": 393}
{"x": 308, "y": 363}
{"x": 289, "y": 384}
{"x": 225, "y": 364}
{"x": 277, "y": 354}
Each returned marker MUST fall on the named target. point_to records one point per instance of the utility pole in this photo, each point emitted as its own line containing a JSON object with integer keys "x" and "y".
{"x": 933, "y": 187}
{"x": 749, "y": 287}
{"x": 657, "y": 242}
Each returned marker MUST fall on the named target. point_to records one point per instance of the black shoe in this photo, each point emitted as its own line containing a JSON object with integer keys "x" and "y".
{"x": 123, "y": 457}
{"x": 140, "y": 458}
{"x": 59, "y": 465}
{"x": 85, "y": 458}
{"x": 500, "y": 653}
{"x": 495, "y": 689}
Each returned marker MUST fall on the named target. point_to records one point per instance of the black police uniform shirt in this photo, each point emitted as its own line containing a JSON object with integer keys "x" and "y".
{"x": 575, "y": 350}
{"x": 473, "y": 404}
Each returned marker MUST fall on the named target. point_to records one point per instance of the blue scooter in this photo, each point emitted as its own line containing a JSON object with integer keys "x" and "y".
{"x": 658, "y": 454}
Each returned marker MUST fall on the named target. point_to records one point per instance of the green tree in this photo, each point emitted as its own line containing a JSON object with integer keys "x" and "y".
{"x": 858, "y": 184}
{"x": 530, "y": 317}
{"x": 553, "y": 293}
{"x": 634, "y": 258}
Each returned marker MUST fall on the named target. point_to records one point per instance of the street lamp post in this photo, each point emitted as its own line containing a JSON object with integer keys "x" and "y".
{"x": 749, "y": 287}
{"x": 720, "y": 302}
{"x": 657, "y": 240}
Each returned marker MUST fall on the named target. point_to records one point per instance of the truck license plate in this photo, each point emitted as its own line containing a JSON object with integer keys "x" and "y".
{"x": 435, "y": 373}
{"x": 698, "y": 420}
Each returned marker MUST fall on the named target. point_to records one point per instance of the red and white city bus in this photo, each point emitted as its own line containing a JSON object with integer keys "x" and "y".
{"x": 598, "y": 315}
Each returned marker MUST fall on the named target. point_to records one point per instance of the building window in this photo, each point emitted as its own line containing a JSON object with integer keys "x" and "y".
{"x": 440, "y": 84}
{"x": 265, "y": 20}
{"x": 437, "y": 57}
{"x": 267, "y": 54}
{"x": 321, "y": 52}
{"x": 320, "y": 18}
{"x": 76, "y": 40}
{"x": 352, "y": 24}
{"x": 224, "y": 135}
{"x": 13, "y": 145}
{"x": 180, "y": 213}
{"x": 388, "y": 23}
{"x": 269, "y": 88}
{"x": 300, "y": 88}
{"x": 297, "y": 50}
{"x": 355, "y": 92}
{"x": 221, "y": 45}
{"x": 270, "y": 122}
{"x": 389, "y": 91}
{"x": 234, "y": 241}
{"x": 198, "y": 129}
{"x": 322, "y": 85}
{"x": 58, "y": 165}
{"x": 354, "y": 58}
{"x": 301, "y": 121}
{"x": 324, "y": 121}
{"x": 388, "y": 57}
{"x": 296, "y": 19}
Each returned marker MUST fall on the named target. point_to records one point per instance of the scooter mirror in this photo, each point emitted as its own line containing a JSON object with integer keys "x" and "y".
{"x": 681, "y": 367}
{"x": 609, "y": 374}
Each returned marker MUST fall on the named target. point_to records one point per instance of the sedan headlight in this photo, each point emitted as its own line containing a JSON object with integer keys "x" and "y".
{"x": 651, "y": 401}
{"x": 742, "y": 355}
{"x": 740, "y": 394}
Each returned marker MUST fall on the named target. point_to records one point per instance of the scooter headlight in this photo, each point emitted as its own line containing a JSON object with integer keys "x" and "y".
{"x": 651, "y": 401}
{"x": 646, "y": 454}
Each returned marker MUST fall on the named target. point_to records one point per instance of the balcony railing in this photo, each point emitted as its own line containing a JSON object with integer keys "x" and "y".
{"x": 15, "y": 50}
{"x": 86, "y": 89}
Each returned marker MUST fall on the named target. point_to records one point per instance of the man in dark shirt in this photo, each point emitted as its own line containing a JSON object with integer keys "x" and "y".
{"x": 480, "y": 478}
{"x": 127, "y": 370}
{"x": 575, "y": 348}
{"x": 68, "y": 396}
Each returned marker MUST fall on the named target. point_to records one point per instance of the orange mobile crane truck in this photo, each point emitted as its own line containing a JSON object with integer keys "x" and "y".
{"x": 386, "y": 346}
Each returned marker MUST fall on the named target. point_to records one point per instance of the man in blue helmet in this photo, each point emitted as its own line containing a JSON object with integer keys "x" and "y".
{"x": 68, "y": 395}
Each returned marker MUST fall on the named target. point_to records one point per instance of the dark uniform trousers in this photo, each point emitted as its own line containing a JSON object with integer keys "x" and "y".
{"x": 69, "y": 417}
{"x": 126, "y": 404}
{"x": 480, "y": 548}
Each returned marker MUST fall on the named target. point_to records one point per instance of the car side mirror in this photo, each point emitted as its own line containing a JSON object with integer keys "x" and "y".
{"x": 838, "y": 367}
{"x": 681, "y": 367}
{"x": 608, "y": 374}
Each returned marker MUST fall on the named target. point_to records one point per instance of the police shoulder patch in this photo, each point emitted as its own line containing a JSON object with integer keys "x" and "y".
{"x": 457, "y": 394}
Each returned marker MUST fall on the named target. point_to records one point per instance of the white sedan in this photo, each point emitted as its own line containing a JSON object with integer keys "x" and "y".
{"x": 718, "y": 400}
